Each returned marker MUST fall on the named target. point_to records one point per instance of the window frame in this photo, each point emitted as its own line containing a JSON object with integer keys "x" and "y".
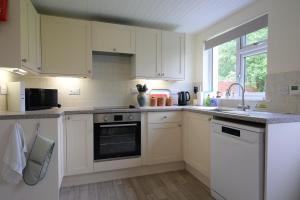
{"x": 243, "y": 50}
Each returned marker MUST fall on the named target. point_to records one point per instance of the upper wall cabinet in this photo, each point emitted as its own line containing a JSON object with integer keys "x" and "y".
{"x": 173, "y": 54}
{"x": 20, "y": 38}
{"x": 66, "y": 46}
{"x": 113, "y": 38}
{"x": 30, "y": 37}
{"x": 159, "y": 55}
{"x": 148, "y": 53}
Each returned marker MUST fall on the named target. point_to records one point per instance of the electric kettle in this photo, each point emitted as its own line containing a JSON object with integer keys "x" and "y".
{"x": 183, "y": 98}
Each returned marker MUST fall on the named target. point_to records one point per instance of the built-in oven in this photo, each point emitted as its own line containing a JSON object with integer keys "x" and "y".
{"x": 117, "y": 136}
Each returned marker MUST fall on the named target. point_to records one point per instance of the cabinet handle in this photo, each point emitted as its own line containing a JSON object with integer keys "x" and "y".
{"x": 68, "y": 118}
{"x": 162, "y": 74}
{"x": 39, "y": 68}
{"x": 159, "y": 74}
{"x": 114, "y": 49}
{"x": 165, "y": 117}
{"x": 24, "y": 60}
{"x": 179, "y": 125}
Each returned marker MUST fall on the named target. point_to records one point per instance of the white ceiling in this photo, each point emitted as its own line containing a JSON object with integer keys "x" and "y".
{"x": 177, "y": 15}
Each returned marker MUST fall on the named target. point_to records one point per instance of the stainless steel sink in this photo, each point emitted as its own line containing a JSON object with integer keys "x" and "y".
{"x": 232, "y": 111}
{"x": 224, "y": 109}
{"x": 238, "y": 112}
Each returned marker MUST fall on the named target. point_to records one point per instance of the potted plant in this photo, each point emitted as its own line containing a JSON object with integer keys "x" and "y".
{"x": 141, "y": 98}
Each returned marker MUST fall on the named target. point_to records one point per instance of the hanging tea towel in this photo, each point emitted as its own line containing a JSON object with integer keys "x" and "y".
{"x": 14, "y": 159}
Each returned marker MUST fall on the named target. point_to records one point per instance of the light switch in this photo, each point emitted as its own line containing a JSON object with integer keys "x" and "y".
{"x": 133, "y": 91}
{"x": 74, "y": 91}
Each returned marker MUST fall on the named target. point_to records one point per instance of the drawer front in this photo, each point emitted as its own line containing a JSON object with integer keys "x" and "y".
{"x": 164, "y": 117}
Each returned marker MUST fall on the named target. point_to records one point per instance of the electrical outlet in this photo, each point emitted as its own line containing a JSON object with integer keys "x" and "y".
{"x": 133, "y": 91}
{"x": 3, "y": 89}
{"x": 74, "y": 91}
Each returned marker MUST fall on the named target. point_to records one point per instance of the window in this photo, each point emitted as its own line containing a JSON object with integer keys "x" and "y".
{"x": 224, "y": 65}
{"x": 242, "y": 60}
{"x": 257, "y": 36}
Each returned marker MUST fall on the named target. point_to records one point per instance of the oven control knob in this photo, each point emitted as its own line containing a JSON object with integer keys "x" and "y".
{"x": 130, "y": 117}
{"x": 105, "y": 119}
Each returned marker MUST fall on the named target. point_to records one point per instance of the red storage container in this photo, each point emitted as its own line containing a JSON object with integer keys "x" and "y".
{"x": 3, "y": 10}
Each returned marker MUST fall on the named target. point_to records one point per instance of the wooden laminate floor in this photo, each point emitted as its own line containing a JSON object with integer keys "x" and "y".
{"x": 178, "y": 185}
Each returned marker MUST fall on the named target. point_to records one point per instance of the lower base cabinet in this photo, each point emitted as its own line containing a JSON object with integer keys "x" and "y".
{"x": 164, "y": 142}
{"x": 79, "y": 144}
{"x": 197, "y": 141}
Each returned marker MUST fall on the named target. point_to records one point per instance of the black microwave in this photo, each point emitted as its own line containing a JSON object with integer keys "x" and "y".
{"x": 39, "y": 99}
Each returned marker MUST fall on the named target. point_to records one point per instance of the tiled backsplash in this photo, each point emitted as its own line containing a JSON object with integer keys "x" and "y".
{"x": 277, "y": 92}
{"x": 111, "y": 84}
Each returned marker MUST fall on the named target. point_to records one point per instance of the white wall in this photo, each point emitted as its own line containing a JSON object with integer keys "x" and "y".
{"x": 284, "y": 31}
{"x": 284, "y": 42}
{"x": 283, "y": 49}
{"x": 10, "y": 39}
{"x": 252, "y": 11}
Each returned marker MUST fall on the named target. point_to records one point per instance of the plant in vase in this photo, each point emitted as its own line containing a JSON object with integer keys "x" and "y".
{"x": 141, "y": 98}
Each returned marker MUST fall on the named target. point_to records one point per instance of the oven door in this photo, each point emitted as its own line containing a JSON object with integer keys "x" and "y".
{"x": 117, "y": 140}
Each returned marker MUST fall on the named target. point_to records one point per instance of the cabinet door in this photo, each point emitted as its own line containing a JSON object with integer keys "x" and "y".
{"x": 113, "y": 38}
{"x": 164, "y": 143}
{"x": 30, "y": 37}
{"x": 148, "y": 53}
{"x": 61, "y": 151}
{"x": 197, "y": 142}
{"x": 66, "y": 46}
{"x": 79, "y": 144}
{"x": 173, "y": 53}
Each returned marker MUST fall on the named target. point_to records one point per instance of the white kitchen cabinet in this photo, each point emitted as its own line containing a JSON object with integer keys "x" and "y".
{"x": 30, "y": 37}
{"x": 79, "y": 144}
{"x": 159, "y": 55}
{"x": 113, "y": 38}
{"x": 173, "y": 53}
{"x": 61, "y": 151}
{"x": 66, "y": 46}
{"x": 164, "y": 139}
{"x": 20, "y": 38}
{"x": 148, "y": 53}
{"x": 197, "y": 141}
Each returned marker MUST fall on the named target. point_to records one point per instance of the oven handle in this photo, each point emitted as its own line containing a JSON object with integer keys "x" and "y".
{"x": 116, "y": 125}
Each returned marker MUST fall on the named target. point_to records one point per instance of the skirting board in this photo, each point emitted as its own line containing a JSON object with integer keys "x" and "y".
{"x": 120, "y": 174}
{"x": 204, "y": 179}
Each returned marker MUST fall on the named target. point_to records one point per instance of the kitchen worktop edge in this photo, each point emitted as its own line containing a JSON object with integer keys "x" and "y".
{"x": 263, "y": 117}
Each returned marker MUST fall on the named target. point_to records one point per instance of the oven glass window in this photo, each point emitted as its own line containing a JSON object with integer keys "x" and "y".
{"x": 112, "y": 141}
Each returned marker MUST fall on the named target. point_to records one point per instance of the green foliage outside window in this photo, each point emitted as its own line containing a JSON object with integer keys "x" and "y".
{"x": 257, "y": 36}
{"x": 227, "y": 61}
{"x": 255, "y": 65}
{"x": 256, "y": 72}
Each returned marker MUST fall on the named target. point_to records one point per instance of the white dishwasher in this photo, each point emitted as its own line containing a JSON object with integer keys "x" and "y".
{"x": 237, "y": 161}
